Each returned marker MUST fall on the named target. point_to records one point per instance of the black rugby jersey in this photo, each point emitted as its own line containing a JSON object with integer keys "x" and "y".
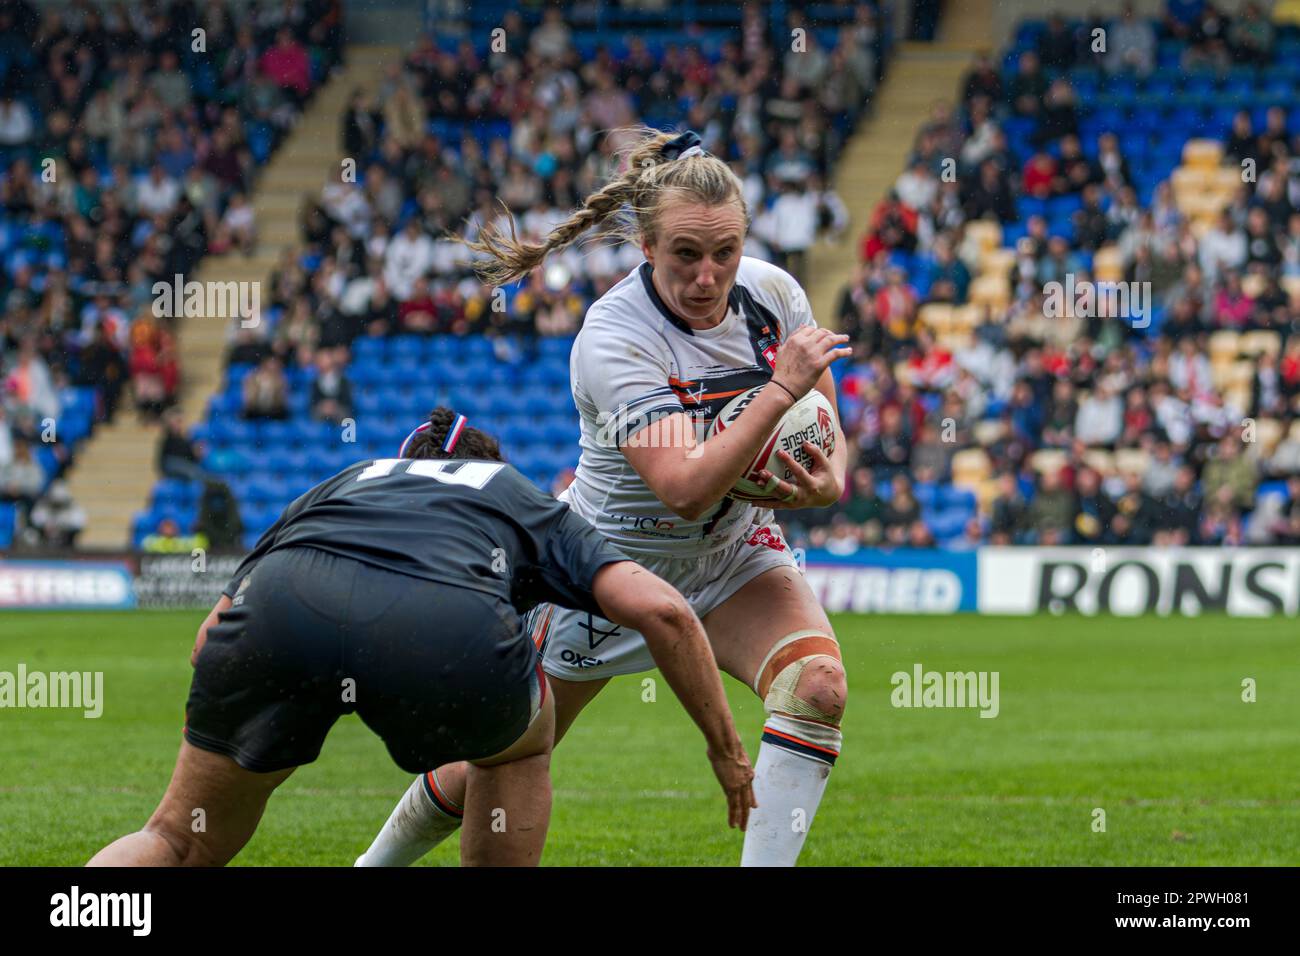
{"x": 464, "y": 522}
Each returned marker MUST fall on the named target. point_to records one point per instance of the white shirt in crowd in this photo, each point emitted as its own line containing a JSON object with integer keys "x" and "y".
{"x": 791, "y": 224}
{"x": 6, "y": 442}
{"x": 239, "y": 218}
{"x": 348, "y": 204}
{"x": 1099, "y": 420}
{"x": 917, "y": 188}
{"x": 1219, "y": 249}
{"x": 155, "y": 197}
{"x": 1191, "y": 373}
{"x": 406, "y": 259}
{"x": 16, "y": 125}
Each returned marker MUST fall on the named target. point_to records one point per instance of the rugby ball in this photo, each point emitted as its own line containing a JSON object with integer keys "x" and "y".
{"x": 810, "y": 419}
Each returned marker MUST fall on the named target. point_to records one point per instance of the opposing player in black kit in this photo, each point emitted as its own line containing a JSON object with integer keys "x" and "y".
{"x": 394, "y": 590}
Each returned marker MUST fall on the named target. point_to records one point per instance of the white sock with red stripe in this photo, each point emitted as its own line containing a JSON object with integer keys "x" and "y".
{"x": 790, "y": 774}
{"x": 422, "y": 819}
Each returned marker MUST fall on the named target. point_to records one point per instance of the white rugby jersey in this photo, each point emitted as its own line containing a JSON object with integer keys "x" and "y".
{"x": 633, "y": 362}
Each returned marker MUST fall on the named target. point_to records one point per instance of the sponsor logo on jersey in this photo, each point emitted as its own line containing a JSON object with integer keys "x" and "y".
{"x": 649, "y": 526}
{"x": 704, "y": 397}
{"x": 766, "y": 537}
{"x": 644, "y": 522}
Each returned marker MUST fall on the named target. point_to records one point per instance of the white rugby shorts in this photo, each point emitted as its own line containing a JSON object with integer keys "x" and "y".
{"x": 576, "y": 645}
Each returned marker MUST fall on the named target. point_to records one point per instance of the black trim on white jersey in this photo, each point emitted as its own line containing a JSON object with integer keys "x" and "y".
{"x": 764, "y": 329}
{"x": 646, "y": 271}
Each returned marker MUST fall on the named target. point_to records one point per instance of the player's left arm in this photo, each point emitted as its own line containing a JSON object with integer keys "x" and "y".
{"x": 822, "y": 484}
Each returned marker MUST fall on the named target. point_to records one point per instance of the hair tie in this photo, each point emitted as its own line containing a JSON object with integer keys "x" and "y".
{"x": 453, "y": 433}
{"x": 683, "y": 146}
{"x": 448, "y": 444}
{"x": 401, "y": 452}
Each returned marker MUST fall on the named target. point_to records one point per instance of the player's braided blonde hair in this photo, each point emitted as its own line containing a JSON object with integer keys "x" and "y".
{"x": 651, "y": 177}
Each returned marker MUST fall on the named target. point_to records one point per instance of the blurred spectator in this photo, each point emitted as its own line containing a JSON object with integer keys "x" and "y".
{"x": 157, "y": 194}
{"x": 845, "y": 537}
{"x": 29, "y": 392}
{"x": 266, "y": 391}
{"x": 1230, "y": 469}
{"x": 1100, "y": 418}
{"x": 218, "y": 521}
{"x": 1051, "y": 512}
{"x": 287, "y": 65}
{"x": 331, "y": 393}
{"x": 1094, "y": 512}
{"x": 1028, "y": 86}
{"x": 178, "y": 456}
{"x": 16, "y": 126}
{"x": 154, "y": 373}
{"x": 1057, "y": 45}
{"x": 21, "y": 479}
{"x": 167, "y": 539}
{"x": 1131, "y": 44}
{"x": 790, "y": 225}
{"x": 57, "y": 520}
{"x": 1251, "y": 36}
{"x": 865, "y": 508}
{"x": 901, "y": 511}
{"x": 237, "y": 229}
{"x": 1010, "y": 511}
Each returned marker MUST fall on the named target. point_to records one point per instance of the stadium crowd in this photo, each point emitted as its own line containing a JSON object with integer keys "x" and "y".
{"x": 1092, "y": 430}
{"x": 1089, "y": 429}
{"x": 452, "y": 135}
{"x": 128, "y": 143}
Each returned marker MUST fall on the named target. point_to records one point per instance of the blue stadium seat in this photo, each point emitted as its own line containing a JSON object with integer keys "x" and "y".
{"x": 556, "y": 347}
{"x": 951, "y": 496}
{"x": 926, "y": 494}
{"x": 8, "y": 524}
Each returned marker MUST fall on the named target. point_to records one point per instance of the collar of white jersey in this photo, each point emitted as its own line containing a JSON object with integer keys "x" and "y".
{"x": 646, "y": 270}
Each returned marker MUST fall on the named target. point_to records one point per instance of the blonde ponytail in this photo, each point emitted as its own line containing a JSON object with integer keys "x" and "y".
{"x": 634, "y": 199}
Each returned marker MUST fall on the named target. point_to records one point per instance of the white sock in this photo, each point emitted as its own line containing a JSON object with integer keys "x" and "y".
{"x": 794, "y": 763}
{"x": 422, "y": 819}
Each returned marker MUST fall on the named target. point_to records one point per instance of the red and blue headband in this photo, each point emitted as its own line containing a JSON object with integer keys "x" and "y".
{"x": 448, "y": 445}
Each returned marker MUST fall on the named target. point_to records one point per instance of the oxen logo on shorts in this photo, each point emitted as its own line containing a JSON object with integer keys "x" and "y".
{"x": 579, "y": 660}
{"x": 765, "y": 536}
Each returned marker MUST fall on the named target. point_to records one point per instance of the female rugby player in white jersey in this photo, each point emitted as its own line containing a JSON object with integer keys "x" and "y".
{"x": 657, "y": 357}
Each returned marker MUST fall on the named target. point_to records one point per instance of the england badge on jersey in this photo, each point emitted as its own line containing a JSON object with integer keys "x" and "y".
{"x": 768, "y": 344}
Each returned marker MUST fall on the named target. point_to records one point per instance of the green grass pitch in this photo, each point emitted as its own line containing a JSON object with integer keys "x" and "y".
{"x": 1143, "y": 718}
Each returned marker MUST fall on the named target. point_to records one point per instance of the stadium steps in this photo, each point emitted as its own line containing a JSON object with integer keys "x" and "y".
{"x": 920, "y": 75}
{"x": 113, "y": 473}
